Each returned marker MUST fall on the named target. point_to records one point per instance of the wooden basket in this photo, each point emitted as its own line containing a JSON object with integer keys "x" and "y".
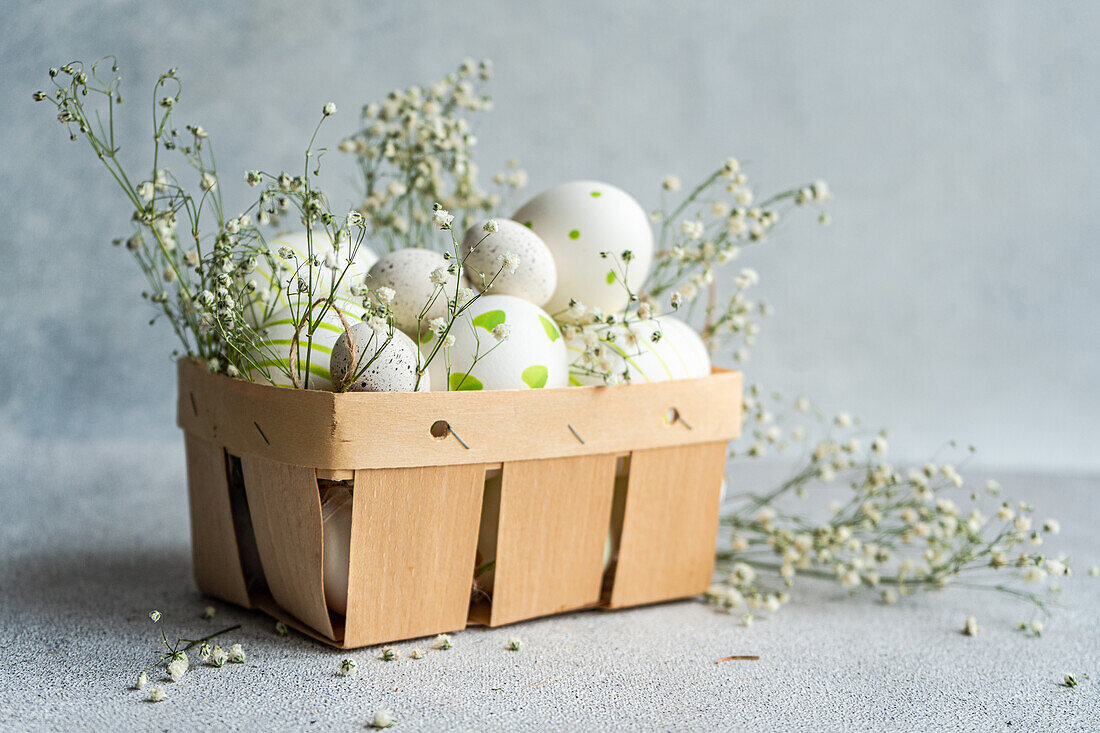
{"x": 418, "y": 464}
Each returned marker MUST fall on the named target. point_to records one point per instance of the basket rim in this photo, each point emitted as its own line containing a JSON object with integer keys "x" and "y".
{"x": 361, "y": 430}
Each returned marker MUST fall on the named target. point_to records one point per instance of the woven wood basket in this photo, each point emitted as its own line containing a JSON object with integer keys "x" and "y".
{"x": 418, "y": 463}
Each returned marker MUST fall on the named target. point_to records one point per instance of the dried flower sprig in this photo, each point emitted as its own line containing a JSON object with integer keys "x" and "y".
{"x": 175, "y": 660}
{"x": 892, "y": 530}
{"x": 415, "y": 149}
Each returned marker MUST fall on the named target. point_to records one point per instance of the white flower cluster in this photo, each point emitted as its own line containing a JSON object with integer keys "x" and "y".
{"x": 416, "y": 148}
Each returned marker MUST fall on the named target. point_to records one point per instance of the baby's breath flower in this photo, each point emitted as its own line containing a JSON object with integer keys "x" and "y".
{"x": 502, "y": 331}
{"x": 465, "y": 295}
{"x": 329, "y": 109}
{"x": 281, "y": 629}
{"x": 208, "y": 182}
{"x": 157, "y": 694}
{"x": 176, "y": 669}
{"x": 843, "y": 420}
{"x": 1052, "y": 526}
{"x": 514, "y": 644}
{"x": 218, "y": 657}
{"x": 208, "y": 612}
{"x": 155, "y": 616}
{"x": 236, "y": 654}
{"x": 416, "y": 653}
{"x": 443, "y": 641}
{"x": 385, "y": 295}
{"x": 348, "y": 667}
{"x": 204, "y": 651}
{"x": 441, "y": 218}
{"x": 508, "y": 261}
{"x": 671, "y": 183}
{"x": 439, "y": 276}
{"x": 382, "y": 719}
{"x": 389, "y": 654}
{"x": 970, "y": 628}
{"x": 490, "y": 226}
{"x": 141, "y": 681}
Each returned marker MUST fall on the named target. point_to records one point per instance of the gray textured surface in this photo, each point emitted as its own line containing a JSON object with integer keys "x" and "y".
{"x": 953, "y": 297}
{"x": 95, "y": 536}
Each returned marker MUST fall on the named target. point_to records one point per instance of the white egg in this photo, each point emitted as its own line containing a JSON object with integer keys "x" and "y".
{"x": 690, "y": 351}
{"x": 336, "y": 523}
{"x": 273, "y": 350}
{"x": 578, "y": 221}
{"x": 534, "y": 279}
{"x": 635, "y": 353}
{"x": 383, "y": 361}
{"x": 408, "y": 272}
{"x": 278, "y": 269}
{"x": 533, "y": 356}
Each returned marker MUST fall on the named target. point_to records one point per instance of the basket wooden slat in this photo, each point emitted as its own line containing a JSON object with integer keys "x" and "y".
{"x": 551, "y": 534}
{"x": 213, "y": 540}
{"x": 413, "y": 541}
{"x": 669, "y": 524}
{"x": 285, "y": 506}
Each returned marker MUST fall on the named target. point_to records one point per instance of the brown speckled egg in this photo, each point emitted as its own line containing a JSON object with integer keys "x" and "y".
{"x": 536, "y": 277}
{"x": 408, "y": 272}
{"x": 393, "y": 368}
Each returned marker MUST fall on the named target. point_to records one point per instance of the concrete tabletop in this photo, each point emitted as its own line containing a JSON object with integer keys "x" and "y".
{"x": 93, "y": 537}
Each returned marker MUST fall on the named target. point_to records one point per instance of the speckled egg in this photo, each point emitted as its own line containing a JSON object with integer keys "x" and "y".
{"x": 673, "y": 356}
{"x": 273, "y": 352}
{"x": 533, "y": 355}
{"x": 536, "y": 277}
{"x": 409, "y": 273}
{"x": 332, "y": 261}
{"x": 579, "y": 220}
{"x": 384, "y": 362}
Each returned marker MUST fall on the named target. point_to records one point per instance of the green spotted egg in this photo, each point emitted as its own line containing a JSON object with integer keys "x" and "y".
{"x": 533, "y": 356}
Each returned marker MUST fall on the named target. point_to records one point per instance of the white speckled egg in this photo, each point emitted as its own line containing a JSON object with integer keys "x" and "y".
{"x": 275, "y": 341}
{"x": 673, "y": 356}
{"x": 332, "y": 261}
{"x": 536, "y": 277}
{"x": 393, "y": 368}
{"x": 532, "y": 357}
{"x": 408, "y": 272}
{"x": 579, "y": 220}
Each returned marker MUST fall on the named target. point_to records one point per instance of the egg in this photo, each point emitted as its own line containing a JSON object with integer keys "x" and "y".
{"x": 270, "y": 297}
{"x": 336, "y": 529}
{"x": 578, "y": 221}
{"x": 534, "y": 279}
{"x": 533, "y": 356}
{"x": 408, "y": 272}
{"x": 692, "y": 354}
{"x": 382, "y": 361}
{"x": 677, "y": 354}
{"x": 275, "y": 340}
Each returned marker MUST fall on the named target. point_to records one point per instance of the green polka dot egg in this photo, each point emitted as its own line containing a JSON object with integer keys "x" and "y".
{"x": 579, "y": 220}
{"x": 277, "y": 269}
{"x": 678, "y": 354}
{"x": 533, "y": 356}
{"x": 273, "y": 352}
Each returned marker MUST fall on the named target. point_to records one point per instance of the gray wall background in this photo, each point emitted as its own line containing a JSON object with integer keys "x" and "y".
{"x": 955, "y": 295}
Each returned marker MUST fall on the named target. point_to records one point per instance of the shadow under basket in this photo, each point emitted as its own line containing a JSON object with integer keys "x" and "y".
{"x": 417, "y": 465}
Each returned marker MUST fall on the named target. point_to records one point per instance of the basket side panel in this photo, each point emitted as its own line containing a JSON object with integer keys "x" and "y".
{"x": 286, "y": 517}
{"x": 213, "y": 542}
{"x": 670, "y": 523}
{"x": 551, "y": 537}
{"x": 413, "y": 541}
